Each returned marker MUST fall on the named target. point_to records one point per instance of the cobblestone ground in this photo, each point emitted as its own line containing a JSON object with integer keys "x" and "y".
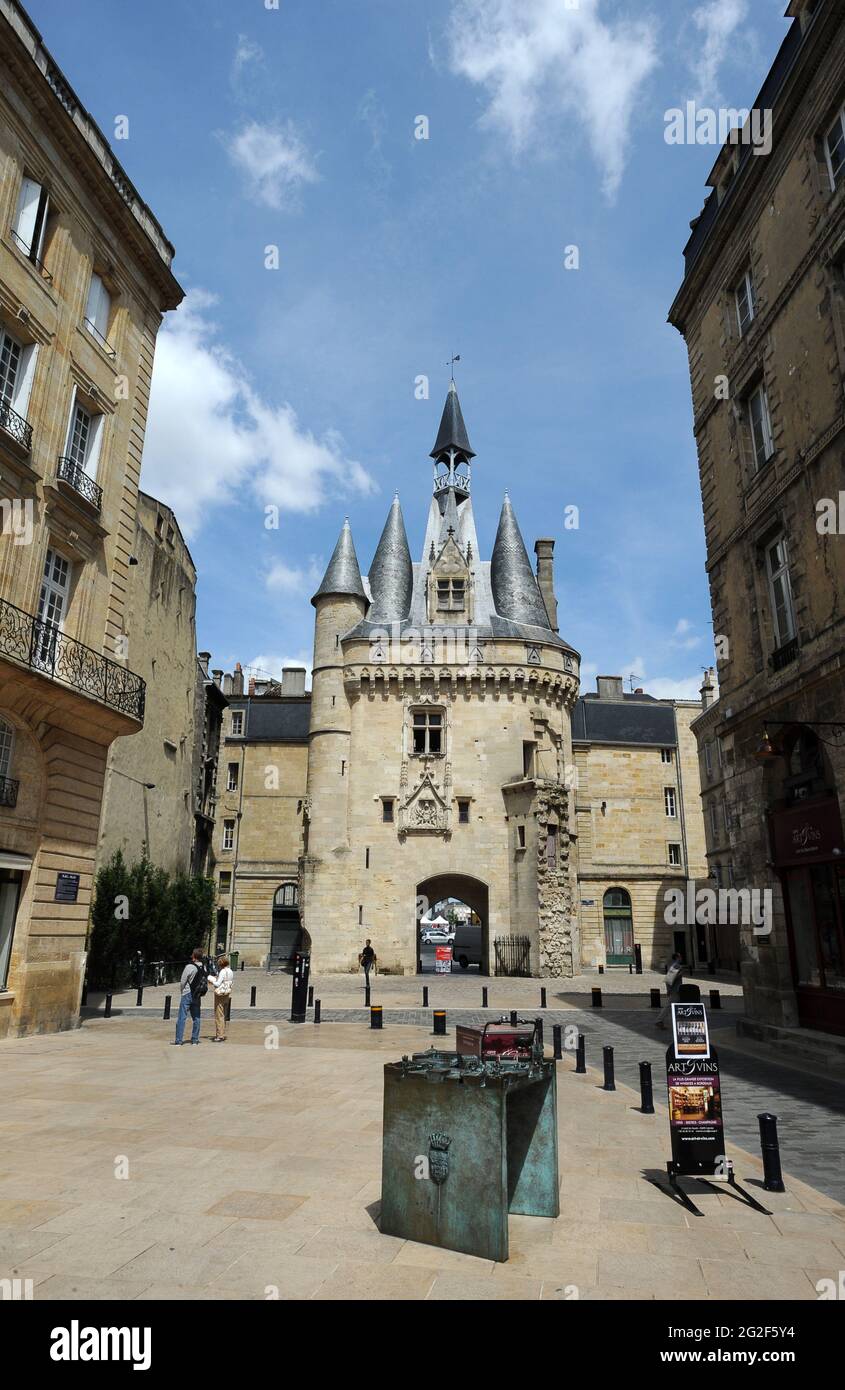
{"x": 270, "y": 1182}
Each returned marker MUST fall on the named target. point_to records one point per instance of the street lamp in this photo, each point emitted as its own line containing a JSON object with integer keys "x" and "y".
{"x": 767, "y": 750}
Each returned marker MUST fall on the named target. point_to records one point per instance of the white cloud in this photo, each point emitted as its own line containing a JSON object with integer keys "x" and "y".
{"x": 211, "y": 436}
{"x": 246, "y": 52}
{"x": 273, "y": 160}
{"x": 272, "y": 665}
{"x": 538, "y": 59}
{"x": 291, "y": 579}
{"x": 684, "y": 636}
{"x": 716, "y": 21}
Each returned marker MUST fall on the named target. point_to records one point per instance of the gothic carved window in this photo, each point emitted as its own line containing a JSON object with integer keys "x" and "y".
{"x": 451, "y": 595}
{"x": 427, "y": 731}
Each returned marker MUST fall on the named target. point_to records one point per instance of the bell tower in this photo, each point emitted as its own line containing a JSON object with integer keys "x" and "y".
{"x": 452, "y": 453}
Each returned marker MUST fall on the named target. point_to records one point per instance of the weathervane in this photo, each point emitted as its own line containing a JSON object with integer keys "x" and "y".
{"x": 451, "y": 364}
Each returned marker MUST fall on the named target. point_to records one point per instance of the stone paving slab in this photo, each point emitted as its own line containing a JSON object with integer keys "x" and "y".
{"x": 290, "y": 1208}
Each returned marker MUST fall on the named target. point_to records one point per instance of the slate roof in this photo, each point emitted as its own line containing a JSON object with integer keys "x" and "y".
{"x": 391, "y": 576}
{"x": 516, "y": 592}
{"x": 343, "y": 575}
{"x": 633, "y": 719}
{"x": 453, "y": 432}
{"x": 269, "y": 719}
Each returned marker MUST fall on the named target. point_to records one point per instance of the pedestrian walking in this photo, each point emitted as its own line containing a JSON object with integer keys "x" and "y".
{"x": 674, "y": 980}
{"x": 221, "y": 983}
{"x": 367, "y": 960}
{"x": 193, "y": 985}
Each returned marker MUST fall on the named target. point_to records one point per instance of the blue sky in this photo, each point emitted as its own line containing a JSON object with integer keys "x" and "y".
{"x": 294, "y": 127}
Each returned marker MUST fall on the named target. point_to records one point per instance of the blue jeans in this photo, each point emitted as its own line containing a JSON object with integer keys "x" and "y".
{"x": 189, "y": 1005}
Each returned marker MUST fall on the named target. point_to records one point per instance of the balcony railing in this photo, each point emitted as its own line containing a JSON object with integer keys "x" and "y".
{"x": 70, "y": 472}
{"x": 8, "y": 791}
{"x": 104, "y": 342}
{"x": 784, "y": 655}
{"x": 27, "y": 252}
{"x": 44, "y": 648}
{"x": 16, "y": 426}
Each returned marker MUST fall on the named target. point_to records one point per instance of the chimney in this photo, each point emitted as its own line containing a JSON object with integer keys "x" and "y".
{"x": 227, "y": 684}
{"x": 203, "y": 658}
{"x": 708, "y": 688}
{"x": 251, "y": 690}
{"x": 238, "y": 680}
{"x": 217, "y": 677}
{"x": 293, "y": 680}
{"x": 609, "y": 687}
{"x": 544, "y": 549}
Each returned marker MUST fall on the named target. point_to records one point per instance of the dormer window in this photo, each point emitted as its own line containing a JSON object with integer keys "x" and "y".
{"x": 451, "y": 595}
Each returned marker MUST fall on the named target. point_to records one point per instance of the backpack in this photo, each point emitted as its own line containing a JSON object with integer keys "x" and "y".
{"x": 199, "y": 982}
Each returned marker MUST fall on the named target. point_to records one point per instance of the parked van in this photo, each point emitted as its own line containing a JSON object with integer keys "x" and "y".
{"x": 467, "y": 946}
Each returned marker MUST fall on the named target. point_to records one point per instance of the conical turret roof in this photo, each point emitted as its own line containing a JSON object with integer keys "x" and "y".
{"x": 453, "y": 432}
{"x": 516, "y": 593}
{"x": 343, "y": 575}
{"x": 391, "y": 573}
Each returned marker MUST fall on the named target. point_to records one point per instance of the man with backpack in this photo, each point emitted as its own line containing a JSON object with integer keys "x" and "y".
{"x": 674, "y": 980}
{"x": 194, "y": 984}
{"x": 367, "y": 960}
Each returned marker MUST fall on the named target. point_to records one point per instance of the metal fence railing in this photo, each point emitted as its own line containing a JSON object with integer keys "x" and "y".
{"x": 512, "y": 955}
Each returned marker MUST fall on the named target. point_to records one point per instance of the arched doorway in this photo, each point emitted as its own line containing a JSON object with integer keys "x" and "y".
{"x": 286, "y": 934}
{"x": 618, "y": 927}
{"x": 464, "y": 902}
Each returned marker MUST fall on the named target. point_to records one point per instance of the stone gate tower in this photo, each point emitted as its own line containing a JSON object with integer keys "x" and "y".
{"x": 440, "y": 753}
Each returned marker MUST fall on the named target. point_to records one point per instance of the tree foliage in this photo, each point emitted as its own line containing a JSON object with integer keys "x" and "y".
{"x": 140, "y": 908}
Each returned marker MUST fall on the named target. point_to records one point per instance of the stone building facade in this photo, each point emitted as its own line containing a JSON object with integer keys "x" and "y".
{"x": 440, "y": 738}
{"x": 639, "y": 823}
{"x": 148, "y": 797}
{"x": 762, "y": 310}
{"x": 85, "y": 276}
{"x": 723, "y": 932}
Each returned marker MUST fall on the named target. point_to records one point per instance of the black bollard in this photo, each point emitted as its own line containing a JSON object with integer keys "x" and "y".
{"x": 638, "y": 958}
{"x": 243, "y": 963}
{"x": 630, "y": 968}
{"x": 440, "y": 1022}
{"x": 252, "y": 994}
{"x": 654, "y": 998}
{"x": 514, "y": 1019}
{"x": 539, "y": 1026}
{"x": 543, "y": 997}
{"x": 425, "y": 996}
{"x": 609, "y": 1082}
{"x": 419, "y": 965}
{"x": 140, "y": 998}
{"x": 601, "y": 969}
{"x": 580, "y": 1055}
{"x": 310, "y": 995}
{"x": 597, "y": 1004}
{"x": 167, "y": 999}
{"x": 108, "y": 1006}
{"x": 376, "y": 1020}
{"x": 366, "y": 996}
{"x": 484, "y": 1004}
{"x": 316, "y": 1011}
{"x": 646, "y": 1093}
{"x": 557, "y": 1035}
{"x": 715, "y": 999}
{"x": 772, "y": 1175}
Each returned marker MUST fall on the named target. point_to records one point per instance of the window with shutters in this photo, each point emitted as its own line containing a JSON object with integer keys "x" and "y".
{"x": 17, "y": 368}
{"x": 97, "y": 318}
{"x": 30, "y": 222}
{"x": 780, "y": 592}
{"x": 84, "y": 437}
{"x": 760, "y": 428}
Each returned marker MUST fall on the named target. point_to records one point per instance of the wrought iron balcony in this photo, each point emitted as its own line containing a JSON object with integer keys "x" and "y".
{"x": 15, "y": 425}
{"x": 70, "y": 472}
{"x": 784, "y": 655}
{"x": 8, "y": 791}
{"x": 27, "y": 252}
{"x": 44, "y": 648}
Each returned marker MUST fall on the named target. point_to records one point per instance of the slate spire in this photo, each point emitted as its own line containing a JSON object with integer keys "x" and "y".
{"x": 391, "y": 573}
{"x": 343, "y": 575}
{"x": 453, "y": 432}
{"x": 516, "y": 593}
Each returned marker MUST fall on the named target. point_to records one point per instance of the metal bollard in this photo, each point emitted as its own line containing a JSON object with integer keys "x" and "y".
{"x": 366, "y": 996}
{"x": 539, "y": 1026}
{"x": 484, "y": 1003}
{"x": 597, "y": 1004}
{"x": 316, "y": 1011}
{"x": 243, "y": 963}
{"x": 581, "y": 1055}
{"x": 425, "y": 996}
{"x": 654, "y": 998}
{"x": 609, "y": 1081}
{"x": 646, "y": 1092}
{"x": 310, "y": 995}
{"x": 557, "y": 1041}
{"x": 542, "y": 997}
{"x": 601, "y": 969}
{"x": 638, "y": 958}
{"x": 167, "y": 999}
{"x": 715, "y": 999}
{"x": 514, "y": 1018}
{"x": 376, "y": 1020}
{"x": 440, "y": 1022}
{"x": 630, "y": 968}
{"x": 140, "y": 999}
{"x": 772, "y": 1175}
{"x": 252, "y": 993}
{"x": 108, "y": 1006}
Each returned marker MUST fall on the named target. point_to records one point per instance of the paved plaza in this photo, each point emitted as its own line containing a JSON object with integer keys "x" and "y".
{"x": 253, "y": 1172}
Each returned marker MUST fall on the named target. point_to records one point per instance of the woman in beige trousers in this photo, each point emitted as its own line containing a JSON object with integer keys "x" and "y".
{"x": 222, "y": 986}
